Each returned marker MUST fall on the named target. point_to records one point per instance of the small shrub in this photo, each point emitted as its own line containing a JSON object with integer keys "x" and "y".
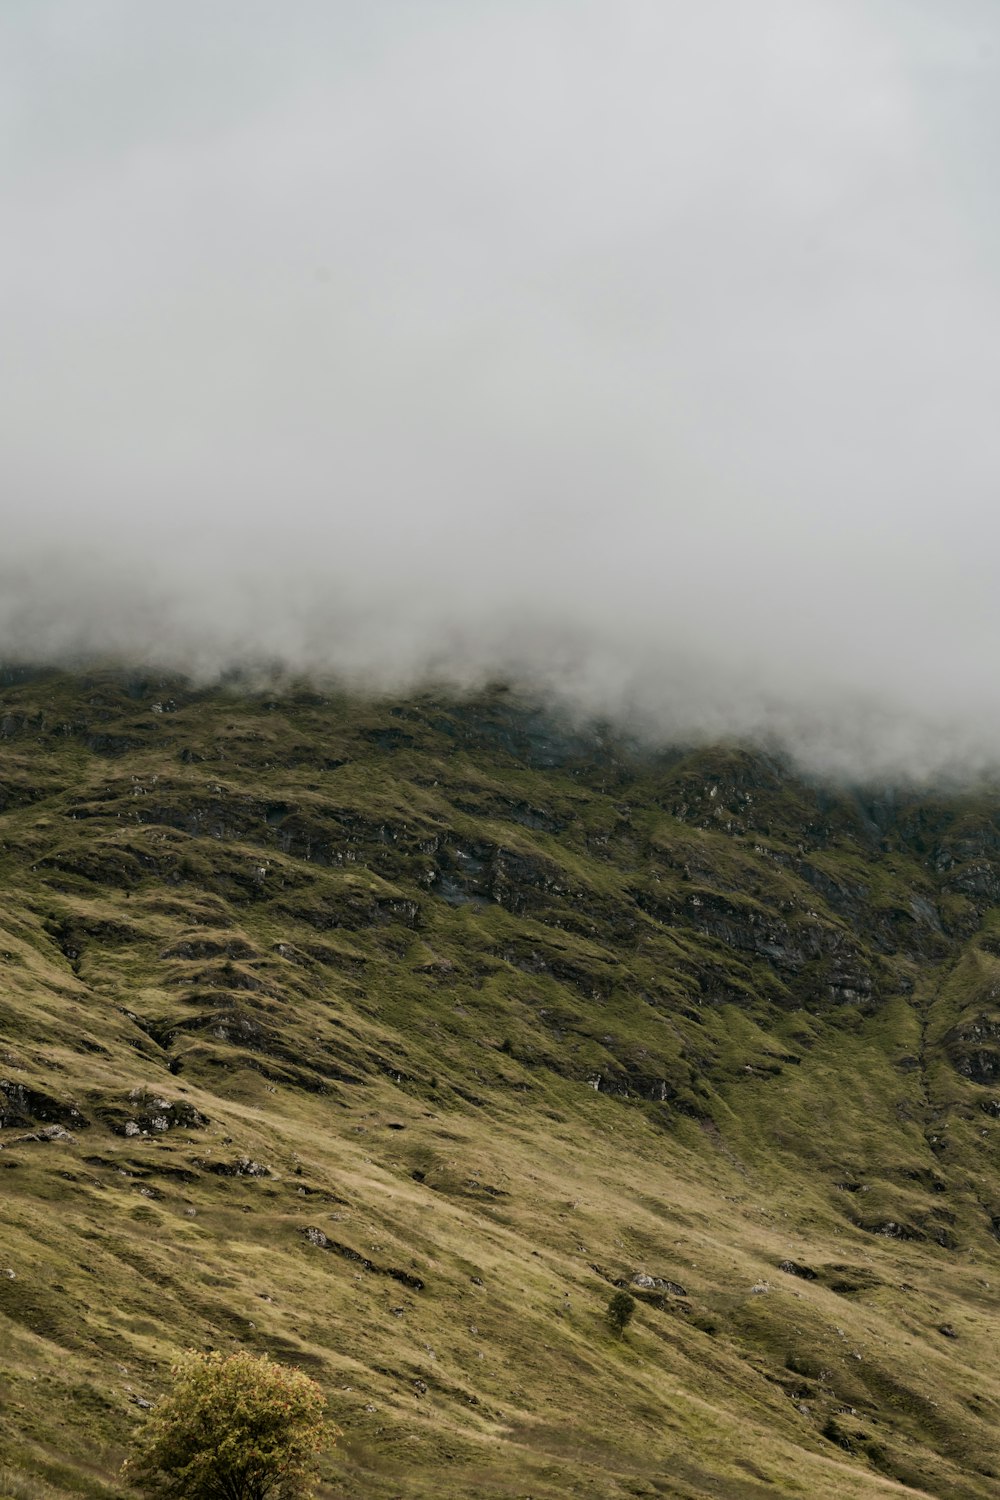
{"x": 621, "y": 1310}
{"x": 234, "y": 1427}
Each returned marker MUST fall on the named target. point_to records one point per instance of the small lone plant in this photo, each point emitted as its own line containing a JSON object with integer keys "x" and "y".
{"x": 621, "y": 1310}
{"x": 234, "y": 1427}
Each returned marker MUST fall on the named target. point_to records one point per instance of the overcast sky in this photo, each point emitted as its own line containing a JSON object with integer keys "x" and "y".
{"x": 645, "y": 349}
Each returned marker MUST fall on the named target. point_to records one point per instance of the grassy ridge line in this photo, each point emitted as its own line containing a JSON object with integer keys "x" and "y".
{"x": 482, "y": 997}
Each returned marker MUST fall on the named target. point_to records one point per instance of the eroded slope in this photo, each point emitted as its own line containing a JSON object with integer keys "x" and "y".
{"x": 389, "y": 1039}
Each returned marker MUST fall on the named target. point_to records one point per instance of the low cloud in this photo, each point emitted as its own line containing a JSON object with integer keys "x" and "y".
{"x": 643, "y": 353}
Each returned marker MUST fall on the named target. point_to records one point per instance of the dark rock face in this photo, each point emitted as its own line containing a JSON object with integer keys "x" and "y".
{"x": 480, "y": 873}
{"x": 792, "y": 1268}
{"x": 21, "y": 1105}
{"x": 974, "y": 1049}
{"x": 240, "y": 1166}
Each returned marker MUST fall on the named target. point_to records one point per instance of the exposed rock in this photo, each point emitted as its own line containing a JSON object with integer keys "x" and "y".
{"x": 890, "y": 1229}
{"x": 974, "y": 1049}
{"x": 49, "y": 1133}
{"x": 21, "y": 1104}
{"x": 660, "y": 1284}
{"x": 141, "y": 1113}
{"x": 241, "y": 1166}
{"x": 793, "y": 1268}
{"x": 317, "y": 1237}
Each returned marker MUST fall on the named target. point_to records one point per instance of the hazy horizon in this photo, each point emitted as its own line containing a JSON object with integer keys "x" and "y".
{"x": 644, "y": 355}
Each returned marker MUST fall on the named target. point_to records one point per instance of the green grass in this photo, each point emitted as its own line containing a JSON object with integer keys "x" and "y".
{"x": 507, "y": 1015}
{"x": 17, "y": 1486}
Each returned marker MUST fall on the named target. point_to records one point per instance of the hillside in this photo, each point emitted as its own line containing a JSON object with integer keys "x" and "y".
{"x": 390, "y": 1038}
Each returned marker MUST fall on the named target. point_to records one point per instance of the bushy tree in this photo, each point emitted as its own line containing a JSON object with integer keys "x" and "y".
{"x": 620, "y": 1311}
{"x": 233, "y": 1427}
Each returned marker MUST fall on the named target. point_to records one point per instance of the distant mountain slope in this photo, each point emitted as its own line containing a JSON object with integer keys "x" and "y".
{"x": 391, "y": 1038}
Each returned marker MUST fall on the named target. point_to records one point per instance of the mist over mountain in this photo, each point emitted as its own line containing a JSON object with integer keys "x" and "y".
{"x": 645, "y": 355}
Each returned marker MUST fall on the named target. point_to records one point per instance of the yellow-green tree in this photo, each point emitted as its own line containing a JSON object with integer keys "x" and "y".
{"x": 233, "y": 1427}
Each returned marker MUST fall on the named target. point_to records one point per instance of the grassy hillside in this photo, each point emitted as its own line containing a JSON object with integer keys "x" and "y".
{"x": 391, "y": 1039}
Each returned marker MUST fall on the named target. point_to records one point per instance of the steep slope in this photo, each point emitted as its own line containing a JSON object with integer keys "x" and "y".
{"x": 390, "y": 1039}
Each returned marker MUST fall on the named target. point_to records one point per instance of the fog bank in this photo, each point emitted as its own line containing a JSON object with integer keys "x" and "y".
{"x": 643, "y": 353}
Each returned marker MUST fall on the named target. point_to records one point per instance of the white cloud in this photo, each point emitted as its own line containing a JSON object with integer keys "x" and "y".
{"x": 646, "y": 350}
